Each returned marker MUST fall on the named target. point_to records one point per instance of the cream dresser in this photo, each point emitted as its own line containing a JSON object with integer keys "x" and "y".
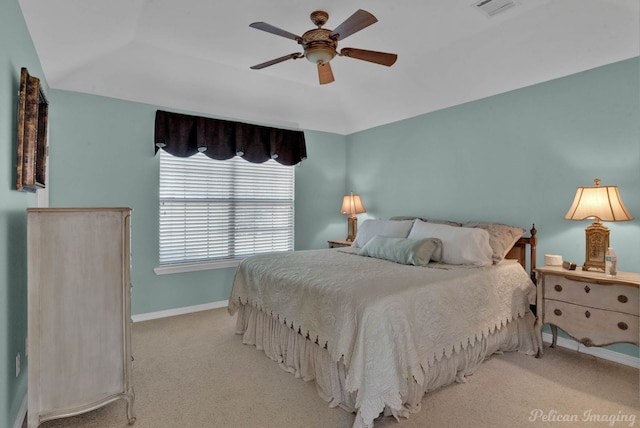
{"x": 592, "y": 308}
{"x": 79, "y": 316}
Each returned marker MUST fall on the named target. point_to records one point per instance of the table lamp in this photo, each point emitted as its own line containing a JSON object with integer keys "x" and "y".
{"x": 352, "y": 205}
{"x": 603, "y": 204}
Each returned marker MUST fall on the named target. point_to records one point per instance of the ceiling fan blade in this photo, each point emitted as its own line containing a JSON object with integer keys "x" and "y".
{"x": 382, "y": 58}
{"x": 275, "y": 30}
{"x": 356, "y": 22}
{"x": 277, "y": 60}
{"x": 325, "y": 74}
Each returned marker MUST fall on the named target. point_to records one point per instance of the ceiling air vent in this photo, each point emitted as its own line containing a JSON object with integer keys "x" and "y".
{"x": 494, "y": 7}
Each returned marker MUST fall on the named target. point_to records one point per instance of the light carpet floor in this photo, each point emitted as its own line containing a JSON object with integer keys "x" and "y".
{"x": 193, "y": 371}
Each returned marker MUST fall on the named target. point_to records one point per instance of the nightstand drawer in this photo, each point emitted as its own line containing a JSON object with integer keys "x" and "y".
{"x": 591, "y": 326}
{"x": 588, "y": 292}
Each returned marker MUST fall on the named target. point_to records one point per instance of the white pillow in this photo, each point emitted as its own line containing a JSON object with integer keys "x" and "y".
{"x": 391, "y": 228}
{"x": 460, "y": 245}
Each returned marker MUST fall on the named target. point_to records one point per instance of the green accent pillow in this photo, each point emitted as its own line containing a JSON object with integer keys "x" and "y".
{"x": 405, "y": 251}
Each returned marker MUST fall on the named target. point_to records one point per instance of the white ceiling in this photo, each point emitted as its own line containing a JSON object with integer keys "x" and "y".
{"x": 195, "y": 54}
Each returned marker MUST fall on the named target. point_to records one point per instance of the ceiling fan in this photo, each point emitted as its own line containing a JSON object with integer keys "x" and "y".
{"x": 320, "y": 44}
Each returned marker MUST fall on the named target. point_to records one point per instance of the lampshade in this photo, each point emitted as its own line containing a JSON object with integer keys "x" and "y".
{"x": 603, "y": 203}
{"x": 351, "y": 204}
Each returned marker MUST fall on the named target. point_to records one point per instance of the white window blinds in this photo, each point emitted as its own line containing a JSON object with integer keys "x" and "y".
{"x": 222, "y": 210}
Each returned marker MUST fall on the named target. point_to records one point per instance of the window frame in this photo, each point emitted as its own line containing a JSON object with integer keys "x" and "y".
{"x": 225, "y": 262}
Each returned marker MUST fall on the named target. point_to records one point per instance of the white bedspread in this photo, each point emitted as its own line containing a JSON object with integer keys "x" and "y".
{"x": 380, "y": 317}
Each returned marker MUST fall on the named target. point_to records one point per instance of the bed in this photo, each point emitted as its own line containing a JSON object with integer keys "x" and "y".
{"x": 412, "y": 306}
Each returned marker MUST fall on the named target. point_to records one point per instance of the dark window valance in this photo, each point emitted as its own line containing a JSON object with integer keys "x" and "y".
{"x": 184, "y": 135}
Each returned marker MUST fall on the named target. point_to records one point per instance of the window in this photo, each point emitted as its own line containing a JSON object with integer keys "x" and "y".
{"x": 212, "y": 211}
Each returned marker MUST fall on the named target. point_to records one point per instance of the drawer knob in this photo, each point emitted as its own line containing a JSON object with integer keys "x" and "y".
{"x": 558, "y": 288}
{"x": 623, "y": 325}
{"x": 586, "y": 289}
{"x": 558, "y": 312}
{"x": 587, "y": 314}
{"x": 623, "y": 299}
{"x": 587, "y": 342}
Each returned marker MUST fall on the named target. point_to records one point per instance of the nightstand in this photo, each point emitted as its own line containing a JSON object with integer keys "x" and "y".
{"x": 337, "y": 243}
{"x": 594, "y": 309}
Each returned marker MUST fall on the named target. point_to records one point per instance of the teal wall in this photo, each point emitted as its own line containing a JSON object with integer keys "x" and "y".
{"x": 102, "y": 154}
{"x": 16, "y": 51}
{"x": 515, "y": 158}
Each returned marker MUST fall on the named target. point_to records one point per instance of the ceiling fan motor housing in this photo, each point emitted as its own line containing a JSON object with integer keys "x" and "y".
{"x": 318, "y": 47}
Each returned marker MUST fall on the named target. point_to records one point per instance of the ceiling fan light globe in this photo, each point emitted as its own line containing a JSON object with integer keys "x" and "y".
{"x": 320, "y": 54}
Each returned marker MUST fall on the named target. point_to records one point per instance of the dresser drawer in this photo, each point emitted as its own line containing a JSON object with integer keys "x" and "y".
{"x": 588, "y": 292}
{"x": 591, "y": 326}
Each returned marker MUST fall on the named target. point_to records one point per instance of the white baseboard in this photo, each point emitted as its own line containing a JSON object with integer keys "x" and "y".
{"x": 22, "y": 413}
{"x": 179, "y": 311}
{"x": 605, "y": 354}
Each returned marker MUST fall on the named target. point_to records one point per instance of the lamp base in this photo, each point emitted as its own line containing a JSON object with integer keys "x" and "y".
{"x": 597, "y": 243}
{"x": 352, "y": 225}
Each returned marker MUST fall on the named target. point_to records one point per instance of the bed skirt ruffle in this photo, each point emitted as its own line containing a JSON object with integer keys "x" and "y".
{"x": 307, "y": 360}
